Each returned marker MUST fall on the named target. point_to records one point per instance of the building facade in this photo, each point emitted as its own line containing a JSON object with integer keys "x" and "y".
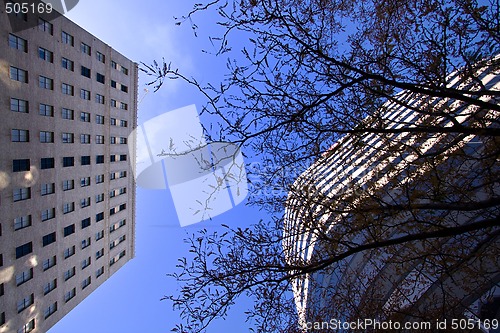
{"x": 67, "y": 194}
{"x": 361, "y": 191}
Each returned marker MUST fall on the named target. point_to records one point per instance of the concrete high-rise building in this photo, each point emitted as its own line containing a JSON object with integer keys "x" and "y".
{"x": 67, "y": 195}
{"x": 363, "y": 190}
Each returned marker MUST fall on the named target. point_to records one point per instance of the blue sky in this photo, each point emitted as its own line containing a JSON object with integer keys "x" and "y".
{"x": 130, "y": 300}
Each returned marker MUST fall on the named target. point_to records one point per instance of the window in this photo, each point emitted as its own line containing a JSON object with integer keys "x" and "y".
{"x": 99, "y": 119}
{"x": 45, "y": 26}
{"x": 86, "y": 282}
{"x": 99, "y": 139}
{"x": 68, "y": 207}
{"x": 99, "y": 235}
{"x": 30, "y": 326}
{"x": 117, "y": 226}
{"x": 22, "y": 193}
{"x": 67, "y": 114}
{"x": 99, "y": 178}
{"x": 85, "y": 71}
{"x": 85, "y": 116}
{"x": 45, "y": 54}
{"x": 123, "y": 140}
{"x": 46, "y": 110}
{"x": 69, "y": 273}
{"x": 84, "y": 181}
{"x": 116, "y": 242}
{"x": 19, "y": 105}
{"x": 123, "y": 123}
{"x": 112, "y": 158}
{"x": 114, "y": 64}
{"x": 67, "y": 64}
{"x": 86, "y": 262}
{"x": 45, "y": 83}
{"x": 85, "y": 94}
{"x": 22, "y": 222}
{"x": 68, "y": 161}
{"x": 67, "y": 38}
{"x": 99, "y": 98}
{"x": 47, "y": 189}
{"x": 99, "y": 254}
{"x": 86, "y": 243}
{"x": 112, "y": 121}
{"x": 50, "y": 286}
{"x": 70, "y": 229}
{"x": 85, "y": 202}
{"x": 20, "y": 165}
{"x": 85, "y": 138}
{"x": 113, "y": 103}
{"x": 69, "y": 295}
{"x": 116, "y": 258}
{"x": 85, "y": 48}
{"x": 69, "y": 252}
{"x": 68, "y": 184}
{"x": 48, "y": 263}
{"x": 18, "y": 74}
{"x": 124, "y": 70}
{"x": 99, "y": 217}
{"x": 68, "y": 138}
{"x": 100, "y": 158}
{"x": 100, "y": 57}
{"x": 46, "y": 137}
{"x": 99, "y": 198}
{"x": 86, "y": 223}
{"x": 99, "y": 272}
{"x": 123, "y": 157}
{"x": 85, "y": 160}
{"x": 50, "y": 310}
{"x": 25, "y": 303}
{"x": 2, "y": 316}
{"x": 49, "y": 239}
{"x": 67, "y": 89}
{"x": 19, "y": 135}
{"x": 123, "y": 106}
{"x": 48, "y": 214}
{"x": 24, "y": 276}
{"x": 24, "y": 249}
{"x": 18, "y": 43}
{"x": 124, "y": 88}
{"x": 113, "y": 84}
{"x": 100, "y": 78}
{"x": 47, "y": 163}
{"x": 112, "y": 140}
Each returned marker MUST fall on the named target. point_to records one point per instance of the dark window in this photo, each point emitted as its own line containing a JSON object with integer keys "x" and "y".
{"x": 113, "y": 84}
{"x": 99, "y": 159}
{"x": 123, "y": 206}
{"x": 85, "y": 160}
{"x": 20, "y": 165}
{"x": 23, "y": 250}
{"x": 69, "y": 230}
{"x": 123, "y": 157}
{"x": 112, "y": 158}
{"x": 99, "y": 217}
{"x": 124, "y": 88}
{"x": 49, "y": 239}
{"x": 47, "y": 163}
{"x": 85, "y": 71}
{"x": 68, "y": 161}
{"x": 100, "y": 78}
{"x": 86, "y": 223}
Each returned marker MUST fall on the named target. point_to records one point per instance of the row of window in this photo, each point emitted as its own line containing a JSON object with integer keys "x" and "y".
{"x": 19, "y": 43}
{"x": 21, "y": 75}
{"x": 22, "y": 135}
{"x": 22, "y": 106}
{"x": 20, "y": 165}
